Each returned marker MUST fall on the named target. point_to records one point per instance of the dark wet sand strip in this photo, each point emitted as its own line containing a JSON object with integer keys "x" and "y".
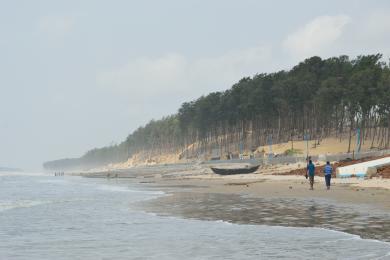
{"x": 359, "y": 219}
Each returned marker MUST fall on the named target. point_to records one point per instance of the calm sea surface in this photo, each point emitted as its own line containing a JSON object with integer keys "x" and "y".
{"x": 47, "y": 217}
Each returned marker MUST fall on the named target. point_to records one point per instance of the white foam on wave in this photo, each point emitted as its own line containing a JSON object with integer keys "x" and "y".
{"x": 345, "y": 236}
{"x": 224, "y": 222}
{"x": 54, "y": 181}
{"x": 7, "y": 205}
{"x": 352, "y": 236}
{"x": 24, "y": 174}
{"x": 114, "y": 188}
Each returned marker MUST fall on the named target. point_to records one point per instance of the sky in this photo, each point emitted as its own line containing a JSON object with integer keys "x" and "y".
{"x": 80, "y": 74}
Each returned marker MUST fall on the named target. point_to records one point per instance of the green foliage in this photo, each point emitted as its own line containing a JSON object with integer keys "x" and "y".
{"x": 316, "y": 97}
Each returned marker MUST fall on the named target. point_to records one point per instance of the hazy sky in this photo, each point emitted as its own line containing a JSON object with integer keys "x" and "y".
{"x": 75, "y": 75}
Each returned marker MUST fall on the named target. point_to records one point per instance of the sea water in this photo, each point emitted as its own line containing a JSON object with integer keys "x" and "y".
{"x": 47, "y": 217}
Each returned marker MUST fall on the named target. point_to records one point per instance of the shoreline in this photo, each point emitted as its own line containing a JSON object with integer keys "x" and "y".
{"x": 276, "y": 206}
{"x": 351, "y": 206}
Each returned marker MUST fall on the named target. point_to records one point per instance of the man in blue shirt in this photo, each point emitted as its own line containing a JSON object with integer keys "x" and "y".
{"x": 310, "y": 172}
{"x": 328, "y": 174}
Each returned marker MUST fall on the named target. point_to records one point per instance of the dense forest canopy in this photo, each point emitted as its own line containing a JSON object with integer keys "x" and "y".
{"x": 316, "y": 98}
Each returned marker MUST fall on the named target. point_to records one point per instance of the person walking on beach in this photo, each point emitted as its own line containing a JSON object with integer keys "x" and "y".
{"x": 328, "y": 174}
{"x": 310, "y": 172}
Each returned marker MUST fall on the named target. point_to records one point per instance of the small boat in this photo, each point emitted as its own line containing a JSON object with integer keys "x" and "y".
{"x": 228, "y": 171}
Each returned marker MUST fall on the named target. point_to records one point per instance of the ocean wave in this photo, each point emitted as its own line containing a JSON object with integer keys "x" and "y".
{"x": 114, "y": 188}
{"x": 352, "y": 236}
{"x": 345, "y": 236}
{"x": 224, "y": 222}
{"x": 8, "y": 205}
{"x": 24, "y": 174}
{"x": 54, "y": 181}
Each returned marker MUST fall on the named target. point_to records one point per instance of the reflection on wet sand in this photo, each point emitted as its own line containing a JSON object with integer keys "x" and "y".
{"x": 275, "y": 211}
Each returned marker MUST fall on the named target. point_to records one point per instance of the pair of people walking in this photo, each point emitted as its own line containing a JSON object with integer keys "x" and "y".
{"x": 310, "y": 171}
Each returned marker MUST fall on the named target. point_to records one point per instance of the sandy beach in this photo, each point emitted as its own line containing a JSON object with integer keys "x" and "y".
{"x": 355, "y": 206}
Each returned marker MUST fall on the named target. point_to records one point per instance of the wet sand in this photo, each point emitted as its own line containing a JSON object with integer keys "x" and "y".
{"x": 265, "y": 200}
{"x": 361, "y": 211}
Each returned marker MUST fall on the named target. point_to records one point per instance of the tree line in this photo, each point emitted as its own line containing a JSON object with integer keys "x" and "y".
{"x": 316, "y": 98}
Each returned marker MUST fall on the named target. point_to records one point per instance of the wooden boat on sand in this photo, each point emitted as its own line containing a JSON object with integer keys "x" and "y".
{"x": 228, "y": 171}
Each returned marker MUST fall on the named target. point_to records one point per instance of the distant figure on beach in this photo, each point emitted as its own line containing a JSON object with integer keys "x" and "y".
{"x": 310, "y": 172}
{"x": 328, "y": 174}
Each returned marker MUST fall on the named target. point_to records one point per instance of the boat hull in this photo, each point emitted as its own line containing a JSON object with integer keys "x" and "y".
{"x": 245, "y": 170}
